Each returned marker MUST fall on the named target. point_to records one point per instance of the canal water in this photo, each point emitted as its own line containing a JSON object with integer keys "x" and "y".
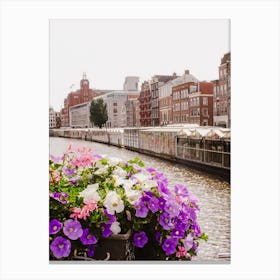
{"x": 213, "y": 193}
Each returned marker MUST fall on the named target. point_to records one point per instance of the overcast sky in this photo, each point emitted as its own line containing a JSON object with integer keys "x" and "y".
{"x": 108, "y": 50}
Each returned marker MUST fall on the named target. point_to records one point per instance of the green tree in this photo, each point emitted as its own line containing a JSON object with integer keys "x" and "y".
{"x": 98, "y": 112}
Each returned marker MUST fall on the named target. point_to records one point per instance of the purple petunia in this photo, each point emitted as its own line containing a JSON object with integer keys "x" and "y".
{"x": 140, "y": 239}
{"x": 55, "y": 226}
{"x": 111, "y": 217}
{"x": 181, "y": 190}
{"x": 61, "y": 197}
{"x": 68, "y": 171}
{"x": 178, "y": 232}
{"x": 188, "y": 242}
{"x": 161, "y": 203}
{"x": 169, "y": 245}
{"x": 172, "y": 208}
{"x": 90, "y": 251}
{"x": 105, "y": 229}
{"x": 88, "y": 238}
{"x": 56, "y": 159}
{"x": 72, "y": 229}
{"x": 196, "y": 229}
{"x": 60, "y": 247}
{"x": 141, "y": 209}
{"x": 165, "y": 221}
{"x": 162, "y": 187}
{"x": 153, "y": 204}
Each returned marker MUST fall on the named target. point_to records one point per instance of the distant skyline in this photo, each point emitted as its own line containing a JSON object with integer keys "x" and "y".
{"x": 108, "y": 50}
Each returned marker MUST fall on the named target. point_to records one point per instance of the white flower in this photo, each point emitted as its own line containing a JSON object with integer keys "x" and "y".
{"x": 147, "y": 185}
{"x": 119, "y": 172}
{"x": 133, "y": 196}
{"x": 113, "y": 160}
{"x": 113, "y": 203}
{"x": 141, "y": 177}
{"x": 101, "y": 170}
{"x": 127, "y": 183}
{"x": 90, "y": 193}
{"x": 115, "y": 228}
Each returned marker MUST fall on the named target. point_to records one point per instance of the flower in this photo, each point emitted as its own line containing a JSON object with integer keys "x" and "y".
{"x": 61, "y": 197}
{"x": 55, "y": 226}
{"x": 153, "y": 204}
{"x": 55, "y": 159}
{"x": 181, "y": 252}
{"x": 90, "y": 251}
{"x": 188, "y": 242}
{"x": 133, "y": 196}
{"x": 60, "y": 247}
{"x": 172, "y": 208}
{"x": 72, "y": 229}
{"x": 140, "y": 239}
{"x": 105, "y": 229}
{"x": 90, "y": 193}
{"x": 169, "y": 245}
{"x": 115, "y": 227}
{"x": 178, "y": 232}
{"x": 113, "y": 203}
{"x": 99, "y": 196}
{"x": 165, "y": 221}
{"x": 88, "y": 238}
{"x": 181, "y": 190}
{"x": 141, "y": 209}
{"x": 68, "y": 171}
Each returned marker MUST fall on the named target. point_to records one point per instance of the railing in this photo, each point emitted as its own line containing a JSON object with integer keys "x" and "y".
{"x": 212, "y": 157}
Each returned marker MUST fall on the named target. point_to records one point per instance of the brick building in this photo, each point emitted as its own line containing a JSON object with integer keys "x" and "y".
{"x": 145, "y": 104}
{"x": 222, "y": 94}
{"x": 192, "y": 100}
{"x": 84, "y": 94}
{"x": 156, "y": 82}
{"x": 200, "y": 103}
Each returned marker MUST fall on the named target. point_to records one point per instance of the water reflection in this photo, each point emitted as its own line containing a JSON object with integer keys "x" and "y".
{"x": 213, "y": 193}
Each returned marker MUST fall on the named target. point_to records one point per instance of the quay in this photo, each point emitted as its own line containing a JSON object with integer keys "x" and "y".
{"x": 203, "y": 148}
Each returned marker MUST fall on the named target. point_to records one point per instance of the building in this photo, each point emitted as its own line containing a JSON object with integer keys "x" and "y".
{"x": 222, "y": 94}
{"x": 181, "y": 88}
{"x": 155, "y": 83}
{"x": 137, "y": 113}
{"x": 52, "y": 118}
{"x": 145, "y": 104}
{"x": 200, "y": 104}
{"x": 130, "y": 106}
{"x": 131, "y": 83}
{"x": 84, "y": 94}
{"x": 79, "y": 115}
{"x": 116, "y": 106}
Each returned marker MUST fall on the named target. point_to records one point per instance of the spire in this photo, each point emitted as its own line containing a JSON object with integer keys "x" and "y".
{"x": 84, "y": 76}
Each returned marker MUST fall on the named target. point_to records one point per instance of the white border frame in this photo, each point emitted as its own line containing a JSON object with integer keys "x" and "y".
{"x": 24, "y": 122}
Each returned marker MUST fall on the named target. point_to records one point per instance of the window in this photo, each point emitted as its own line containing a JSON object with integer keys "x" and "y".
{"x": 115, "y": 104}
{"x": 205, "y": 101}
{"x": 205, "y": 112}
{"x": 115, "y": 110}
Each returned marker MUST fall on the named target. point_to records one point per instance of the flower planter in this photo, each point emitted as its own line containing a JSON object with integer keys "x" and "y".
{"x": 115, "y": 247}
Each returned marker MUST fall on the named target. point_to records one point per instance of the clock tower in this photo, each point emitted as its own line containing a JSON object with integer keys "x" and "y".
{"x": 84, "y": 83}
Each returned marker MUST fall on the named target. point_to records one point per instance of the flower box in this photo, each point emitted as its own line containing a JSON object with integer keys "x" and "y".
{"x": 115, "y": 247}
{"x": 108, "y": 209}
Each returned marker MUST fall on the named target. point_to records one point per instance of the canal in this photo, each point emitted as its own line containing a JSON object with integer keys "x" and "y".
{"x": 213, "y": 193}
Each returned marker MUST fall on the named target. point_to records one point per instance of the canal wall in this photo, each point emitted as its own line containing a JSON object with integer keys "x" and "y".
{"x": 202, "y": 148}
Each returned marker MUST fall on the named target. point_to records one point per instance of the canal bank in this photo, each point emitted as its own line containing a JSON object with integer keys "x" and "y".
{"x": 213, "y": 193}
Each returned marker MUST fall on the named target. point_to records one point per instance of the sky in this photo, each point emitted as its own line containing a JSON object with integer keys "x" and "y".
{"x": 108, "y": 50}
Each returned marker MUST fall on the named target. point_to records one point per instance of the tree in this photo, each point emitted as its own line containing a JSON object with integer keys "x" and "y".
{"x": 98, "y": 112}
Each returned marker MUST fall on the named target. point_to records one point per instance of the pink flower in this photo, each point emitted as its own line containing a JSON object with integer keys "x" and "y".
{"x": 181, "y": 252}
{"x": 83, "y": 213}
{"x": 70, "y": 148}
{"x": 178, "y": 199}
{"x": 83, "y": 161}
